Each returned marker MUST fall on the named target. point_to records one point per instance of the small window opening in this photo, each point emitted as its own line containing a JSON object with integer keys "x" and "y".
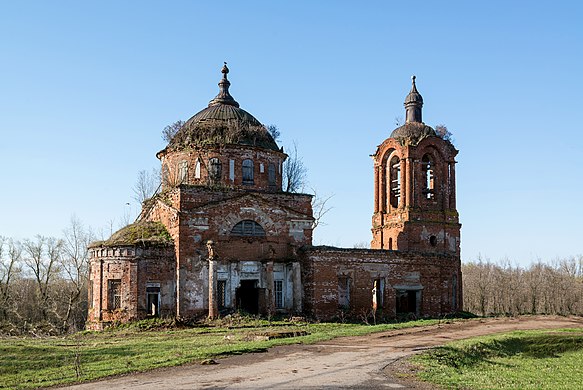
{"x": 215, "y": 169}
{"x": 427, "y": 166}
{"x": 433, "y": 240}
{"x": 344, "y": 292}
{"x": 271, "y": 174}
{"x": 390, "y": 243}
{"x": 222, "y": 293}
{"x": 248, "y": 228}
{"x": 278, "y": 292}
{"x": 395, "y": 181}
{"x": 378, "y": 293}
{"x": 248, "y": 172}
{"x": 114, "y": 294}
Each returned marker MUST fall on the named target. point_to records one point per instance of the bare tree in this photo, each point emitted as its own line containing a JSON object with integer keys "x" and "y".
{"x": 294, "y": 172}
{"x": 170, "y": 131}
{"x": 320, "y": 207}
{"x": 274, "y": 131}
{"x": 146, "y": 185}
{"x": 10, "y": 256}
{"x": 443, "y": 133}
{"x": 42, "y": 257}
{"x": 75, "y": 266}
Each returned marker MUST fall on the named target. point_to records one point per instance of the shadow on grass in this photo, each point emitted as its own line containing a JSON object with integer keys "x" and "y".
{"x": 537, "y": 346}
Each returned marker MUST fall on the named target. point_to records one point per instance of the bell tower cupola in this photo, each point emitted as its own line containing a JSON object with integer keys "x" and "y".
{"x": 415, "y": 205}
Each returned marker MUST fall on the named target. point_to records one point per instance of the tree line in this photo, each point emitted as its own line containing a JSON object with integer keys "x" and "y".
{"x": 541, "y": 288}
{"x": 43, "y": 282}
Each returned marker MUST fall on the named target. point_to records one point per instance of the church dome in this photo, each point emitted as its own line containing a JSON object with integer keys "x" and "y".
{"x": 415, "y": 131}
{"x": 223, "y": 122}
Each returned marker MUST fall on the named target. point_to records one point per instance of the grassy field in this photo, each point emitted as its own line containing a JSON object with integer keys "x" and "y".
{"x": 551, "y": 359}
{"x": 37, "y": 362}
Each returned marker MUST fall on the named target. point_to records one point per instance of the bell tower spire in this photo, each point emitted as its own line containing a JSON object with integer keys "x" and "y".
{"x": 413, "y": 104}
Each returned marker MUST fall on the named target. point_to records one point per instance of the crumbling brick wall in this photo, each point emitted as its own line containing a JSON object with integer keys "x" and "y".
{"x": 433, "y": 275}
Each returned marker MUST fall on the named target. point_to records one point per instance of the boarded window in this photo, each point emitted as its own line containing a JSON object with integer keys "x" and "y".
{"x": 248, "y": 228}
{"x": 215, "y": 169}
{"x": 183, "y": 171}
{"x": 197, "y": 169}
{"x": 247, "y": 171}
{"x": 114, "y": 294}
{"x": 278, "y": 292}
{"x": 344, "y": 292}
{"x": 222, "y": 293}
{"x": 165, "y": 174}
{"x": 271, "y": 174}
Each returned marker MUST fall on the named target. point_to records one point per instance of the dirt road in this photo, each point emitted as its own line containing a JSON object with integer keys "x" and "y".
{"x": 350, "y": 362}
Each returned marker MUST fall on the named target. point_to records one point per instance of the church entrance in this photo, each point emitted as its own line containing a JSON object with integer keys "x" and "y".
{"x": 407, "y": 301}
{"x": 248, "y": 296}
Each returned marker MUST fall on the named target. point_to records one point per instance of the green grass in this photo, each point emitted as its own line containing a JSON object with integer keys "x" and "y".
{"x": 31, "y": 363}
{"x": 543, "y": 359}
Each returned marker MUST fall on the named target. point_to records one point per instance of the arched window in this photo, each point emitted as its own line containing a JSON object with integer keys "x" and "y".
{"x": 247, "y": 171}
{"x": 248, "y": 228}
{"x": 429, "y": 177}
{"x": 215, "y": 169}
{"x": 197, "y": 169}
{"x": 165, "y": 174}
{"x": 271, "y": 174}
{"x": 183, "y": 171}
{"x": 394, "y": 181}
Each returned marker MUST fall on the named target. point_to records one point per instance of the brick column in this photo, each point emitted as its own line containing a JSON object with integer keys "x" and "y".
{"x": 376, "y": 188}
{"x": 213, "y": 305}
{"x": 382, "y": 188}
{"x": 409, "y": 182}
{"x": 270, "y": 286}
{"x": 403, "y": 184}
{"x": 297, "y": 286}
{"x": 452, "y": 202}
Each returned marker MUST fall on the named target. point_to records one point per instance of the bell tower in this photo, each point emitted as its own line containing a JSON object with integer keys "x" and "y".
{"x": 414, "y": 179}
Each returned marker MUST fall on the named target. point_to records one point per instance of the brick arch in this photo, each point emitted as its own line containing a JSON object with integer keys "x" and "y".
{"x": 262, "y": 219}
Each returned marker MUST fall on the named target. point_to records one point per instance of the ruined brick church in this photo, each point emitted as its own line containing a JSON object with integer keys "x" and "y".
{"x": 222, "y": 236}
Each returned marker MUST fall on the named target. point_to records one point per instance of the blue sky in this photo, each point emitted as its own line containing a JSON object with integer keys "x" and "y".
{"x": 86, "y": 89}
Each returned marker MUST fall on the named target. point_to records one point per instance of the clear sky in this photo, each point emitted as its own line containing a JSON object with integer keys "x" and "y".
{"x": 87, "y": 87}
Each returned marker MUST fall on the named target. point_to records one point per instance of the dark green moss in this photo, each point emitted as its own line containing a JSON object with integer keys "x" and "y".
{"x": 143, "y": 232}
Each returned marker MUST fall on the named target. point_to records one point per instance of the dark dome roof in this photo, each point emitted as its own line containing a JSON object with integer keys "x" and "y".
{"x": 223, "y": 122}
{"x": 413, "y": 132}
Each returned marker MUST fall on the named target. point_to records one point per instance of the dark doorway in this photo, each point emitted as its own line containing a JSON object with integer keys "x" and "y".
{"x": 406, "y": 301}
{"x": 153, "y": 302}
{"x": 248, "y": 296}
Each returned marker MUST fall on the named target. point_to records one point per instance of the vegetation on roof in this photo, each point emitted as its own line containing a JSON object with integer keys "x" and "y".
{"x": 222, "y": 132}
{"x": 142, "y": 232}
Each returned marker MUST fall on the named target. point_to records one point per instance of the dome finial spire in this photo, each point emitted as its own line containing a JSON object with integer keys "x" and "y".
{"x": 224, "y": 97}
{"x": 413, "y": 103}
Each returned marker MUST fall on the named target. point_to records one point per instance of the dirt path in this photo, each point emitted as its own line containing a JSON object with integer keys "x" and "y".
{"x": 349, "y": 362}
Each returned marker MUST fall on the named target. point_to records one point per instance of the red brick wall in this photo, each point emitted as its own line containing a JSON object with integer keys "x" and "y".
{"x": 322, "y": 267}
{"x": 261, "y": 157}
